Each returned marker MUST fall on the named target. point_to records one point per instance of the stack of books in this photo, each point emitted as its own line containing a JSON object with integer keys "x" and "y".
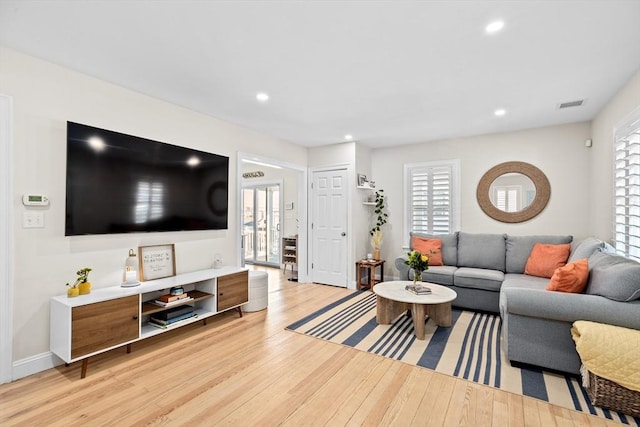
{"x": 168, "y": 300}
{"x": 168, "y": 317}
{"x": 418, "y": 289}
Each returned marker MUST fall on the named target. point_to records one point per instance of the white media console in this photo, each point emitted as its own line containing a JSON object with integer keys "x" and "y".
{"x": 111, "y": 317}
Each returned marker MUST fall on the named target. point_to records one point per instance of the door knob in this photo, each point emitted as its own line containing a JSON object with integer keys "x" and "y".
{"x": 343, "y": 234}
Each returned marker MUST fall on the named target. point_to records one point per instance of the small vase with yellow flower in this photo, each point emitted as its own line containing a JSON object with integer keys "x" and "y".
{"x": 418, "y": 262}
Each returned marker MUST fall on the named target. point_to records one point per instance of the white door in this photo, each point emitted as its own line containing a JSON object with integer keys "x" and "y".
{"x": 329, "y": 227}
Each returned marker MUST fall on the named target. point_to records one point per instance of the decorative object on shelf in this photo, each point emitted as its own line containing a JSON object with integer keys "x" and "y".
{"x": 81, "y": 286}
{"x": 176, "y": 290}
{"x": 362, "y": 180}
{"x": 217, "y": 261}
{"x": 376, "y": 243}
{"x": 72, "y": 291}
{"x": 131, "y": 270}
{"x": 418, "y": 263}
{"x": 157, "y": 261}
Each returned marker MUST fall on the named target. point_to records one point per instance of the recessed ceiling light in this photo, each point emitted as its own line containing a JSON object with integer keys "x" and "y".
{"x": 500, "y": 112}
{"x": 348, "y": 137}
{"x": 262, "y": 97}
{"x": 193, "y": 161}
{"x": 494, "y": 27}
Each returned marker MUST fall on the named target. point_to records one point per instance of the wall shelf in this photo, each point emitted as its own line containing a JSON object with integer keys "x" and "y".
{"x": 366, "y": 186}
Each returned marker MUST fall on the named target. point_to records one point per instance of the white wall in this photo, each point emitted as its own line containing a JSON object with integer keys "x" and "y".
{"x": 558, "y": 151}
{"x": 601, "y": 156}
{"x": 45, "y": 96}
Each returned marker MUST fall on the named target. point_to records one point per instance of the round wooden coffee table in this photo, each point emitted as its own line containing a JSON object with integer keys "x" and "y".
{"x": 392, "y": 299}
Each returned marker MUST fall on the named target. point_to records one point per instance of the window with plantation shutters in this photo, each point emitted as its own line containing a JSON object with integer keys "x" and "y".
{"x": 431, "y": 197}
{"x": 627, "y": 187}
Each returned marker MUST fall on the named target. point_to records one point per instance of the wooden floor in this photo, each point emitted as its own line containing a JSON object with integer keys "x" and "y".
{"x": 250, "y": 371}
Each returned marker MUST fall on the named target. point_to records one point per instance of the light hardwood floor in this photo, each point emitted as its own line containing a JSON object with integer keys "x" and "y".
{"x": 250, "y": 371}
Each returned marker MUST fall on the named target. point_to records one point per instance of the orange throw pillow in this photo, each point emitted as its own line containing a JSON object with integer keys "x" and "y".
{"x": 429, "y": 247}
{"x": 544, "y": 259}
{"x": 570, "y": 278}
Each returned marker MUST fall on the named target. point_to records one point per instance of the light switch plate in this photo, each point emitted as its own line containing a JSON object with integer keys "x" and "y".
{"x": 33, "y": 220}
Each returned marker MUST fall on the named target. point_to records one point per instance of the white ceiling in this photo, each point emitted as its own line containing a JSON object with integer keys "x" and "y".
{"x": 387, "y": 72}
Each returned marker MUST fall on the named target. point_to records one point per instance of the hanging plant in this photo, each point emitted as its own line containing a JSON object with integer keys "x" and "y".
{"x": 381, "y": 215}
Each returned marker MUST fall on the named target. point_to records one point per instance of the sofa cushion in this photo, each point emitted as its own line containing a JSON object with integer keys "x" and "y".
{"x": 481, "y": 250}
{"x": 478, "y": 278}
{"x": 570, "y": 278}
{"x": 613, "y": 276}
{"x": 449, "y": 246}
{"x": 584, "y": 248}
{"x": 440, "y": 275}
{"x": 429, "y": 247}
{"x": 545, "y": 259}
{"x": 519, "y": 249}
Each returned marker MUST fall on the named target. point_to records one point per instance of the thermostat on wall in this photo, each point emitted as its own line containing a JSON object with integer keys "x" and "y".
{"x": 35, "y": 200}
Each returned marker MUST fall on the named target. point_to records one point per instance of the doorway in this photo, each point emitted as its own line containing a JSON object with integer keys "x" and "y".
{"x": 293, "y": 201}
{"x": 261, "y": 224}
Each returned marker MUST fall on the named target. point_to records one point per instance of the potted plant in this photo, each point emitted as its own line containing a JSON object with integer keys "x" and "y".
{"x": 82, "y": 285}
{"x": 381, "y": 219}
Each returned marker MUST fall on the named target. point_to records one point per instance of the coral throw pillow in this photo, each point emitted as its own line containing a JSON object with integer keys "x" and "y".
{"x": 570, "y": 278}
{"x": 429, "y": 247}
{"x": 544, "y": 259}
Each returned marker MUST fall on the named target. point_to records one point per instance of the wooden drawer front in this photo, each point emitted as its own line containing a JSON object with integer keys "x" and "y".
{"x": 105, "y": 324}
{"x": 233, "y": 290}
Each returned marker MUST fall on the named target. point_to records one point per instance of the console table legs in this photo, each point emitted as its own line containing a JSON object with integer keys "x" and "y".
{"x": 85, "y": 363}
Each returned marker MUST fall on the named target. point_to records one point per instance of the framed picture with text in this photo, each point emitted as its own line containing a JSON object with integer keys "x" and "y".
{"x": 156, "y": 261}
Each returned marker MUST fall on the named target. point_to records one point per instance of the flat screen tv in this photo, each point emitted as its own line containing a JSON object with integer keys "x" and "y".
{"x": 119, "y": 183}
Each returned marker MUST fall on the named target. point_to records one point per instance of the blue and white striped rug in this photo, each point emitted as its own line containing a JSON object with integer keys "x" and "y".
{"x": 470, "y": 349}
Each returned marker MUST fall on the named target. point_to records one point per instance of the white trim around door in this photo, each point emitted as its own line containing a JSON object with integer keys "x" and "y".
{"x": 6, "y": 238}
{"x": 301, "y": 208}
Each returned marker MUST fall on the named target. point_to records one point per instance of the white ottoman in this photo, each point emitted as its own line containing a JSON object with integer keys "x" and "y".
{"x": 258, "y": 291}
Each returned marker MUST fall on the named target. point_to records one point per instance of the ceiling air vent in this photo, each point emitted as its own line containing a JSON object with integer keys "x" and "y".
{"x": 570, "y": 104}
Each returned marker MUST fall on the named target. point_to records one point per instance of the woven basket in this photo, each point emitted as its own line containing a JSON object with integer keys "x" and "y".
{"x": 608, "y": 394}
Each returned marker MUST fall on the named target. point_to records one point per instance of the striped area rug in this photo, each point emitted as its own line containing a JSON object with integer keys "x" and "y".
{"x": 470, "y": 349}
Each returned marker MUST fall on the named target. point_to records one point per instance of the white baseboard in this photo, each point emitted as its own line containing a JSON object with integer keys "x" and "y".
{"x": 34, "y": 364}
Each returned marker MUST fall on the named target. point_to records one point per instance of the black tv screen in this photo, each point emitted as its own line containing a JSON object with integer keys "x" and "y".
{"x": 118, "y": 183}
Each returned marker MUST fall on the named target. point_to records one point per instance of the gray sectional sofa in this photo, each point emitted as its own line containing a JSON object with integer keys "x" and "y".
{"x": 487, "y": 273}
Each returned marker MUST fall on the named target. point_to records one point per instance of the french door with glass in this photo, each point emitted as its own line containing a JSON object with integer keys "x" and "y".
{"x": 261, "y": 224}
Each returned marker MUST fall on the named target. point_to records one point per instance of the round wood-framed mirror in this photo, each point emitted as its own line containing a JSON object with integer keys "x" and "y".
{"x": 527, "y": 204}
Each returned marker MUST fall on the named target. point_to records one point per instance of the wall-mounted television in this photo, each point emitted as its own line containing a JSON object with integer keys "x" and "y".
{"x": 119, "y": 183}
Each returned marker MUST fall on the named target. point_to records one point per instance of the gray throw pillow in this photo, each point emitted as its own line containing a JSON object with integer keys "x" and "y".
{"x": 613, "y": 276}
{"x": 584, "y": 248}
{"x": 481, "y": 250}
{"x": 519, "y": 249}
{"x": 449, "y": 245}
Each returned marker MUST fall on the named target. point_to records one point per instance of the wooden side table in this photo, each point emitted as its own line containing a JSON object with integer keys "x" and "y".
{"x": 369, "y": 268}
